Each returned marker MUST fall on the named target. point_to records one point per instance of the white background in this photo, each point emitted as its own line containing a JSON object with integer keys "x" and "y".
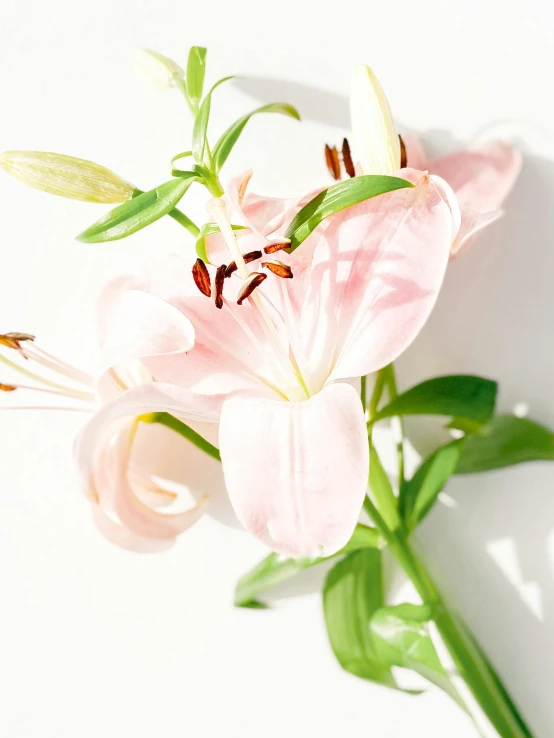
{"x": 95, "y": 641}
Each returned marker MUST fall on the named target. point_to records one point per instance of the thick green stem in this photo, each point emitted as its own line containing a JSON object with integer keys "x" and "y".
{"x": 470, "y": 662}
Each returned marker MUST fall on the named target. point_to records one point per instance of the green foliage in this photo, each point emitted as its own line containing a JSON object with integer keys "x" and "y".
{"x": 139, "y": 212}
{"x": 196, "y": 69}
{"x": 200, "y": 129}
{"x": 458, "y": 395}
{"x": 337, "y": 197}
{"x": 418, "y": 494}
{"x": 224, "y": 146}
{"x": 275, "y": 569}
{"x": 352, "y": 594}
{"x": 505, "y": 441}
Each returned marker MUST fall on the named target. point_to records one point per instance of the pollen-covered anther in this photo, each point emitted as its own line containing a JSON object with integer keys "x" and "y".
{"x": 218, "y": 284}
{"x": 251, "y": 256}
{"x": 249, "y": 285}
{"x": 7, "y": 387}
{"x": 274, "y": 246}
{"x": 14, "y": 340}
{"x": 278, "y": 268}
{"x": 332, "y": 160}
{"x": 201, "y": 277}
{"x": 403, "y": 153}
{"x": 347, "y": 158}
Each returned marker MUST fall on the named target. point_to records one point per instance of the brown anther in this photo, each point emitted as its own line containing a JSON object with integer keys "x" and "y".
{"x": 272, "y": 248}
{"x": 332, "y": 161}
{"x": 251, "y": 256}
{"x": 249, "y": 285}
{"x": 7, "y": 388}
{"x": 403, "y": 154}
{"x": 13, "y": 341}
{"x": 347, "y": 158}
{"x": 218, "y": 284}
{"x": 278, "y": 268}
{"x": 201, "y": 277}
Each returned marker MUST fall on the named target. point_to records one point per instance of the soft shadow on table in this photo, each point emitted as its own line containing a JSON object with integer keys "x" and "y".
{"x": 312, "y": 103}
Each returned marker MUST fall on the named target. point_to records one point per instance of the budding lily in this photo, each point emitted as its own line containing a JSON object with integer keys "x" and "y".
{"x": 376, "y": 141}
{"x": 77, "y": 179}
{"x": 159, "y": 69}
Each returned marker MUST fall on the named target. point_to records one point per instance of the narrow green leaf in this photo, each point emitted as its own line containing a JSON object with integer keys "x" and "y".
{"x": 206, "y": 230}
{"x": 182, "y": 155}
{"x": 338, "y": 197}
{"x": 138, "y": 213}
{"x": 223, "y": 147}
{"x": 196, "y": 69}
{"x": 352, "y": 594}
{"x": 505, "y": 441}
{"x": 401, "y": 638}
{"x": 201, "y": 123}
{"x": 418, "y": 495}
{"x": 275, "y": 569}
{"x": 461, "y": 396}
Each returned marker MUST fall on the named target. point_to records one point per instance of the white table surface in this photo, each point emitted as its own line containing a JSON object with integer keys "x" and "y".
{"x": 95, "y": 641}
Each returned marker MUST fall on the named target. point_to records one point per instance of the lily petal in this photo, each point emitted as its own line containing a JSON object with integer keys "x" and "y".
{"x": 482, "y": 176}
{"x": 103, "y": 452}
{"x": 296, "y": 473}
{"x": 375, "y": 276}
{"x": 144, "y": 325}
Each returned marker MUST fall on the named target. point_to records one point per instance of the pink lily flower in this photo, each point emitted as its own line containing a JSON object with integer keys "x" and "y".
{"x": 272, "y": 370}
{"x": 481, "y": 177}
{"x": 126, "y": 500}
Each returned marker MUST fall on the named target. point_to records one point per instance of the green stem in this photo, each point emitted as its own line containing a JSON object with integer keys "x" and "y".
{"x": 184, "y": 430}
{"x": 390, "y": 379}
{"x": 363, "y": 392}
{"x": 185, "y": 221}
{"x": 470, "y": 662}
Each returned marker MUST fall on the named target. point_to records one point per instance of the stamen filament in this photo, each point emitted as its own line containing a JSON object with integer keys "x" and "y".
{"x": 32, "y": 351}
{"x": 45, "y": 390}
{"x": 68, "y": 391}
{"x": 47, "y": 407}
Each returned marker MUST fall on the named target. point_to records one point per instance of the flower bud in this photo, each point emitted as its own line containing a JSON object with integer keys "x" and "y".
{"x": 159, "y": 70}
{"x": 66, "y": 176}
{"x": 377, "y": 146}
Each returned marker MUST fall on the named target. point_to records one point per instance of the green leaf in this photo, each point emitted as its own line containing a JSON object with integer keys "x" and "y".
{"x": 138, "y": 212}
{"x": 182, "y": 155}
{"x": 196, "y": 69}
{"x": 338, "y": 197}
{"x": 201, "y": 123}
{"x": 206, "y": 230}
{"x": 223, "y": 147}
{"x": 505, "y": 441}
{"x": 461, "y": 396}
{"x": 401, "y": 638}
{"x": 275, "y": 569}
{"x": 352, "y": 594}
{"x": 418, "y": 495}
